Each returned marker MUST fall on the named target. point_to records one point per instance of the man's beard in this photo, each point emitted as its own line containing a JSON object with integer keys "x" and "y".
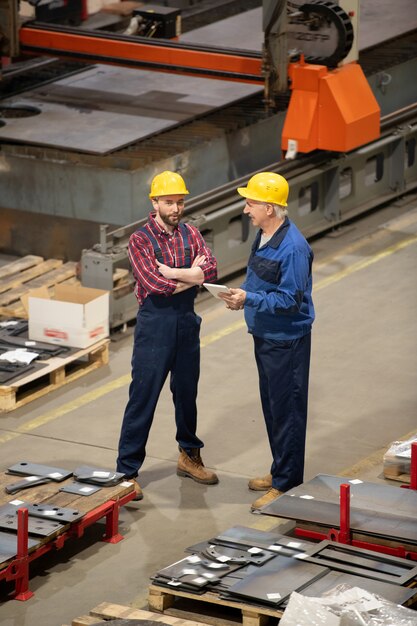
{"x": 169, "y": 220}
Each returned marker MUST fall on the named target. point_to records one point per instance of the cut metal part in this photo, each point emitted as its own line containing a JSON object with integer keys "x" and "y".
{"x": 56, "y": 513}
{"x": 194, "y": 572}
{"x": 40, "y": 527}
{"x": 378, "y": 510}
{"x": 25, "y": 468}
{"x": 80, "y": 489}
{"x": 97, "y": 476}
{"x": 358, "y": 561}
{"x": 232, "y": 554}
{"x": 26, "y": 483}
{"x": 273, "y": 583}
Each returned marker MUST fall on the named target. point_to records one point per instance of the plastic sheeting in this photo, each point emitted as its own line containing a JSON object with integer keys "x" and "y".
{"x": 346, "y": 606}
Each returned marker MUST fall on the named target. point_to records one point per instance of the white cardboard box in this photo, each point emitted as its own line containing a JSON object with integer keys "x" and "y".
{"x": 77, "y": 316}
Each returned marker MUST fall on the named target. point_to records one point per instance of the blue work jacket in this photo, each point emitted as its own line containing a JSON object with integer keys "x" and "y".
{"x": 278, "y": 286}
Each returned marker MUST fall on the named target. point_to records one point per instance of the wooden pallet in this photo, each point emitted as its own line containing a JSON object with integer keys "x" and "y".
{"x": 209, "y": 608}
{"x": 56, "y": 372}
{"x": 402, "y": 478}
{"x": 31, "y": 272}
{"x": 108, "y": 612}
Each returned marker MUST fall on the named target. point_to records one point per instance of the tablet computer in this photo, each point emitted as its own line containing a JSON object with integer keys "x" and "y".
{"x": 216, "y": 289}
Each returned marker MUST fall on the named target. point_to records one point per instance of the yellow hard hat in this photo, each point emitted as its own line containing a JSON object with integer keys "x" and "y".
{"x": 266, "y": 187}
{"x": 168, "y": 184}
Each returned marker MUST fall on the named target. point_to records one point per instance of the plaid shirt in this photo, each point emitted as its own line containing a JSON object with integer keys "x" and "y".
{"x": 143, "y": 262}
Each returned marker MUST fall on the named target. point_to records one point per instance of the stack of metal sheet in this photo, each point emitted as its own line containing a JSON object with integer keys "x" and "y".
{"x": 375, "y": 509}
{"x": 264, "y": 568}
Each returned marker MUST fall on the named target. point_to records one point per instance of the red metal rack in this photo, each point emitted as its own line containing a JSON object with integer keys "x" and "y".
{"x": 18, "y": 569}
{"x": 344, "y": 533}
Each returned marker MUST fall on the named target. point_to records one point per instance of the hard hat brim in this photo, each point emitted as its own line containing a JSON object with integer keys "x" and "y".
{"x": 243, "y": 191}
{"x": 161, "y": 195}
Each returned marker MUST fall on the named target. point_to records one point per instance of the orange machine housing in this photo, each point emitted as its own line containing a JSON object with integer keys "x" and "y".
{"x": 330, "y": 110}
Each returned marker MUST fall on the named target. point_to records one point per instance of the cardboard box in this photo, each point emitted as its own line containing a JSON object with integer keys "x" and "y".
{"x": 76, "y": 316}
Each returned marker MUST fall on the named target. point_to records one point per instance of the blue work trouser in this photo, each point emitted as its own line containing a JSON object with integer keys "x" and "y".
{"x": 283, "y": 368}
{"x": 167, "y": 339}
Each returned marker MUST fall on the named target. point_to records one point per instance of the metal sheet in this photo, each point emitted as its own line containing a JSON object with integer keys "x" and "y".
{"x": 97, "y": 476}
{"x": 274, "y": 582}
{"x": 106, "y": 108}
{"x": 25, "y": 468}
{"x": 55, "y": 513}
{"x": 195, "y": 571}
{"x": 39, "y": 527}
{"x": 378, "y": 510}
{"x": 8, "y": 545}
{"x": 391, "y": 592}
{"x": 81, "y": 489}
{"x": 359, "y": 561}
{"x": 26, "y": 483}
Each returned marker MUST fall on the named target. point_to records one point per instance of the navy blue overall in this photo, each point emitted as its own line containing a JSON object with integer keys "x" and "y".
{"x": 283, "y": 367}
{"x": 167, "y": 339}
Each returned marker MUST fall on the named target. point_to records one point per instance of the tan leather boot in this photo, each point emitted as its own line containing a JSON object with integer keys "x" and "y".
{"x": 262, "y": 483}
{"x": 268, "y": 497}
{"x": 138, "y": 490}
{"x": 193, "y": 467}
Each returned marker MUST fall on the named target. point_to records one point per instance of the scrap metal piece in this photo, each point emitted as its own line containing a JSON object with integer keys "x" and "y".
{"x": 195, "y": 572}
{"x": 232, "y": 554}
{"x": 97, "y": 476}
{"x": 26, "y": 483}
{"x": 81, "y": 489}
{"x": 25, "y": 468}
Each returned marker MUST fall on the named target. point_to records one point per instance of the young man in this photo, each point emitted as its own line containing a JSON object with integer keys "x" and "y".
{"x": 169, "y": 259}
{"x": 279, "y": 312}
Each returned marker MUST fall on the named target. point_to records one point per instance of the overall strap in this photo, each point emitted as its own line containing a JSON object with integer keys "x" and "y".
{"x": 187, "y": 249}
{"x": 155, "y": 244}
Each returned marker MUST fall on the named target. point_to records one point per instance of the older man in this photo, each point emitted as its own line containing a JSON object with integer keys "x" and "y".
{"x": 279, "y": 312}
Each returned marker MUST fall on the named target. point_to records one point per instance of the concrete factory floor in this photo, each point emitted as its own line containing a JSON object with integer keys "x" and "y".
{"x": 363, "y": 396}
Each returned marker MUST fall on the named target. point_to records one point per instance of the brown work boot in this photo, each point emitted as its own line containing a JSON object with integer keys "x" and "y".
{"x": 138, "y": 490}
{"x": 261, "y": 484}
{"x": 192, "y": 466}
{"x": 271, "y": 495}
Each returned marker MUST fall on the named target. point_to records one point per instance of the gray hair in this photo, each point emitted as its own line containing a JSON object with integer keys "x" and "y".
{"x": 280, "y": 211}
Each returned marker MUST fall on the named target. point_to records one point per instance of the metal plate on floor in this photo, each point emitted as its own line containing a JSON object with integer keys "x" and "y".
{"x": 25, "y": 468}
{"x": 39, "y": 527}
{"x": 106, "y": 108}
{"x": 81, "y": 489}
